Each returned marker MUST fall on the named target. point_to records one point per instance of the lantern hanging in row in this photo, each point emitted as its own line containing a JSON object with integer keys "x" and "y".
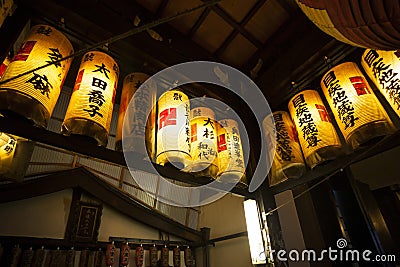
{"x": 15, "y": 153}
{"x": 133, "y": 123}
{"x": 369, "y": 24}
{"x": 139, "y": 256}
{"x": 153, "y": 256}
{"x": 383, "y": 67}
{"x": 164, "y": 257}
{"x": 317, "y": 135}
{"x": 176, "y": 252}
{"x": 230, "y": 152}
{"x": 124, "y": 255}
{"x": 110, "y": 254}
{"x": 173, "y": 132}
{"x": 203, "y": 142}
{"x": 34, "y": 95}
{"x": 288, "y": 160}
{"x": 90, "y": 108}
{"x": 357, "y": 111}
{"x": 188, "y": 256}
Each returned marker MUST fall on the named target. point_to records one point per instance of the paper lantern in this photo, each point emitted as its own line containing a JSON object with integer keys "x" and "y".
{"x": 173, "y": 129}
{"x": 369, "y": 24}
{"x": 140, "y": 129}
{"x": 317, "y": 135}
{"x": 288, "y": 160}
{"x": 5, "y": 9}
{"x": 15, "y": 153}
{"x": 34, "y": 95}
{"x": 383, "y": 67}
{"x": 90, "y": 108}
{"x": 230, "y": 152}
{"x": 357, "y": 111}
{"x": 203, "y": 142}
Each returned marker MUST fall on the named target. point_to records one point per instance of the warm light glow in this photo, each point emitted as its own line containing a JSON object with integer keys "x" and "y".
{"x": 288, "y": 161}
{"x": 357, "y": 111}
{"x": 35, "y": 95}
{"x": 203, "y": 142}
{"x": 4, "y": 66}
{"x": 254, "y": 235}
{"x": 230, "y": 152}
{"x": 137, "y": 128}
{"x": 317, "y": 135}
{"x": 173, "y": 128}
{"x": 15, "y": 153}
{"x": 383, "y": 67}
{"x": 90, "y": 108}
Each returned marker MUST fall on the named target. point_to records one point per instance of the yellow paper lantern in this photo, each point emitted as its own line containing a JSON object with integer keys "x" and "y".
{"x": 383, "y": 67}
{"x": 173, "y": 129}
{"x": 317, "y": 135}
{"x": 230, "y": 152}
{"x": 90, "y": 108}
{"x": 357, "y": 111}
{"x": 288, "y": 161}
{"x": 203, "y": 142}
{"x": 15, "y": 153}
{"x": 140, "y": 128}
{"x": 34, "y": 95}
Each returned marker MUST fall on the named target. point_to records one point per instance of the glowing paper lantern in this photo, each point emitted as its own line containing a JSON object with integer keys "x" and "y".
{"x": 288, "y": 161}
{"x": 203, "y": 142}
{"x": 140, "y": 129}
{"x": 15, "y": 153}
{"x": 357, "y": 111}
{"x": 369, "y": 24}
{"x": 90, "y": 108}
{"x": 173, "y": 132}
{"x": 317, "y": 135}
{"x": 34, "y": 95}
{"x": 230, "y": 152}
{"x": 383, "y": 67}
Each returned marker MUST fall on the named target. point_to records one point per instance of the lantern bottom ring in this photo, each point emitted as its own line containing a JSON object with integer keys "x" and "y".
{"x": 24, "y": 105}
{"x": 179, "y": 159}
{"x": 369, "y": 133}
{"x": 204, "y": 169}
{"x": 81, "y": 126}
{"x": 324, "y": 155}
{"x": 291, "y": 171}
{"x": 233, "y": 177}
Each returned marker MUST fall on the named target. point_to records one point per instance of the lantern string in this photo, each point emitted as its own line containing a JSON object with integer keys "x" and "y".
{"x": 118, "y": 38}
{"x": 353, "y": 160}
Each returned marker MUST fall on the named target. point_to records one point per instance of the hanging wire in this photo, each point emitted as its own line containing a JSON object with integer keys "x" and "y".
{"x": 353, "y": 160}
{"x": 117, "y": 38}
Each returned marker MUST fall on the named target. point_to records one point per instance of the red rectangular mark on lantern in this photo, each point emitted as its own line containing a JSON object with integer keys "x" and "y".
{"x": 167, "y": 117}
{"x": 323, "y": 113}
{"x": 78, "y": 80}
{"x": 221, "y": 141}
{"x": 359, "y": 85}
{"x": 24, "y": 51}
{"x": 193, "y": 132}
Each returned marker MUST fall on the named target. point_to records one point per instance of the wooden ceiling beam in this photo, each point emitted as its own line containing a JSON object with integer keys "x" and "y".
{"x": 242, "y": 24}
{"x": 199, "y": 21}
{"x": 161, "y": 8}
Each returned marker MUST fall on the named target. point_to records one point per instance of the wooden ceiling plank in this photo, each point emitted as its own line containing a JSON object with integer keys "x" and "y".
{"x": 198, "y": 23}
{"x": 231, "y": 21}
{"x": 244, "y": 21}
{"x": 161, "y": 8}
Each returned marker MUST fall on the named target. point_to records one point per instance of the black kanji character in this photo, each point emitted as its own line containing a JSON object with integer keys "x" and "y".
{"x": 208, "y": 121}
{"x": 40, "y": 82}
{"x": 88, "y": 57}
{"x": 43, "y": 30}
{"x": 94, "y": 110}
{"x": 54, "y": 56}
{"x": 99, "y": 83}
{"x": 298, "y": 100}
{"x": 102, "y": 69}
{"x": 96, "y": 97}
{"x": 179, "y": 97}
